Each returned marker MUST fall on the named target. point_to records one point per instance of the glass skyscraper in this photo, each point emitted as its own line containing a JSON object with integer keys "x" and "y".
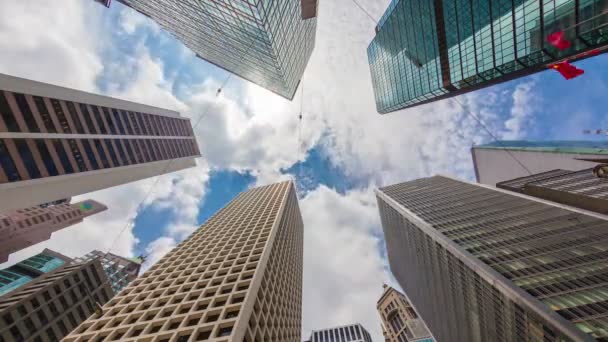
{"x": 29, "y": 269}
{"x": 120, "y": 271}
{"x": 265, "y": 42}
{"x": 485, "y": 264}
{"x": 429, "y": 50}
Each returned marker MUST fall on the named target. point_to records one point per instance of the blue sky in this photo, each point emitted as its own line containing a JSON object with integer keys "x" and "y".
{"x": 249, "y": 136}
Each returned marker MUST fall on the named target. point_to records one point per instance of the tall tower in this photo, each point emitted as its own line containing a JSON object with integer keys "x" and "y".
{"x": 56, "y": 142}
{"x": 54, "y": 296}
{"x": 427, "y": 50}
{"x": 347, "y": 333}
{"x": 268, "y": 43}
{"x": 400, "y": 322}
{"x": 22, "y": 228}
{"x": 237, "y": 278}
{"x": 506, "y": 160}
{"x": 119, "y": 270}
{"x": 484, "y": 264}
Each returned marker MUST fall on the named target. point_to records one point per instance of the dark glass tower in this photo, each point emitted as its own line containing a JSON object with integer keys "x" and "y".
{"x": 426, "y": 50}
{"x": 484, "y": 264}
{"x": 265, "y": 42}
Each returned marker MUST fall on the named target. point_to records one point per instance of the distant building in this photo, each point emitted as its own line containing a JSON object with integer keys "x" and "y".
{"x": 56, "y": 142}
{"x": 237, "y": 278}
{"x": 58, "y": 296}
{"x": 347, "y": 333}
{"x": 120, "y": 271}
{"x": 427, "y": 50}
{"x": 486, "y": 264}
{"x": 400, "y": 322}
{"x": 580, "y": 189}
{"x": 268, "y": 43}
{"x": 506, "y": 160}
{"x": 22, "y": 228}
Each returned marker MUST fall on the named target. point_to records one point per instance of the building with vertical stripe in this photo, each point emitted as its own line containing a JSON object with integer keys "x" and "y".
{"x": 427, "y": 50}
{"x": 119, "y": 270}
{"x": 22, "y": 228}
{"x": 400, "y": 321}
{"x": 347, "y": 333}
{"x": 238, "y": 278}
{"x": 57, "y": 142}
{"x": 486, "y": 264}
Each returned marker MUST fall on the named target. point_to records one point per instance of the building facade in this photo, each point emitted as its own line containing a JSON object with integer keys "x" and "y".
{"x": 347, "y": 333}
{"x": 120, "y": 271}
{"x": 237, "y": 278}
{"x": 268, "y": 43}
{"x": 400, "y": 322}
{"x": 48, "y": 307}
{"x": 22, "y": 228}
{"x": 506, "y": 160}
{"x": 580, "y": 189}
{"x": 56, "y": 142}
{"x": 485, "y": 264}
{"x": 425, "y": 51}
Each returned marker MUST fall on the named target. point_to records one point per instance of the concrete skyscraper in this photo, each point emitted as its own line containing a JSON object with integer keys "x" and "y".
{"x": 237, "y": 278}
{"x": 347, "y": 333}
{"x": 56, "y": 142}
{"x": 506, "y": 160}
{"x": 119, "y": 270}
{"x": 400, "y": 322}
{"x": 53, "y": 297}
{"x": 22, "y": 228}
{"x": 485, "y": 264}
{"x": 427, "y": 50}
{"x": 266, "y": 42}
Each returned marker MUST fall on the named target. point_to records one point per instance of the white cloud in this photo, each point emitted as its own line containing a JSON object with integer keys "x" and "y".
{"x": 130, "y": 21}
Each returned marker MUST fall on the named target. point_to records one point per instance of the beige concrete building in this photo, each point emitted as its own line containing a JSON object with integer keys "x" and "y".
{"x": 237, "y": 278}
{"x": 57, "y": 142}
{"x": 22, "y": 228}
{"x": 59, "y": 297}
{"x": 400, "y": 322}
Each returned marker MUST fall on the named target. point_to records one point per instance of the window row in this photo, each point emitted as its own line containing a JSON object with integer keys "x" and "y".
{"x": 35, "y": 114}
{"x": 22, "y": 159}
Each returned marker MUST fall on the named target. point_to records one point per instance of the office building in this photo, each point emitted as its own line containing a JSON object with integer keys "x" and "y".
{"x": 49, "y": 306}
{"x": 22, "y": 228}
{"x": 56, "y": 142}
{"x": 268, "y": 43}
{"x": 400, "y": 322}
{"x": 425, "y": 51}
{"x": 237, "y": 278}
{"x": 119, "y": 270}
{"x": 506, "y": 160}
{"x": 485, "y": 264}
{"x": 347, "y": 333}
{"x": 580, "y": 189}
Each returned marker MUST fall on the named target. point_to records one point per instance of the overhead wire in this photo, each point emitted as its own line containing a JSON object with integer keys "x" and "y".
{"x": 365, "y": 11}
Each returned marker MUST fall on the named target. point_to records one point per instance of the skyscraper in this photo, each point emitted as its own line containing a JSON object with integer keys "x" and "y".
{"x": 22, "y": 228}
{"x": 430, "y": 50}
{"x": 29, "y": 269}
{"x": 268, "y": 43}
{"x": 57, "y": 142}
{"x": 119, "y": 270}
{"x": 347, "y": 333}
{"x": 506, "y": 160}
{"x": 485, "y": 264}
{"x": 238, "y": 277}
{"x": 49, "y": 306}
{"x": 400, "y": 322}
{"x": 580, "y": 189}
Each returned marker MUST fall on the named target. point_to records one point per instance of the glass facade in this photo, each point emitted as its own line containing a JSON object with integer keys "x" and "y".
{"x": 428, "y": 50}
{"x": 27, "y": 270}
{"x": 483, "y": 265}
{"x": 350, "y": 333}
{"x": 263, "y": 41}
{"x": 120, "y": 271}
{"x": 580, "y": 147}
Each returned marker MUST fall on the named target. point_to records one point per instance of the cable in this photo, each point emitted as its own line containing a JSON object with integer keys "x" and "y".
{"x": 491, "y": 134}
{"x": 366, "y": 12}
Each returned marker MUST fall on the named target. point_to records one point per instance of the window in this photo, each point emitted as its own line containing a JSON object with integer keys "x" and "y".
{"x": 125, "y": 118}
{"x": 224, "y": 332}
{"x": 45, "y": 115}
{"x": 144, "y": 150}
{"x": 62, "y": 327}
{"x": 77, "y": 155}
{"x": 28, "y": 158}
{"x": 152, "y": 152}
{"x": 16, "y": 334}
{"x": 63, "y": 157}
{"x": 102, "y": 153}
{"x": 112, "y": 152}
{"x": 26, "y": 111}
{"x": 121, "y": 129}
{"x": 87, "y": 118}
{"x": 75, "y": 118}
{"x": 129, "y": 151}
{"x": 108, "y": 118}
{"x": 7, "y": 163}
{"x": 42, "y": 317}
{"x": 7, "y": 115}
{"x": 99, "y": 120}
{"x": 51, "y": 334}
{"x": 90, "y": 154}
{"x": 121, "y": 152}
{"x": 72, "y": 320}
{"x": 63, "y": 121}
{"x": 135, "y": 123}
{"x": 46, "y": 157}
